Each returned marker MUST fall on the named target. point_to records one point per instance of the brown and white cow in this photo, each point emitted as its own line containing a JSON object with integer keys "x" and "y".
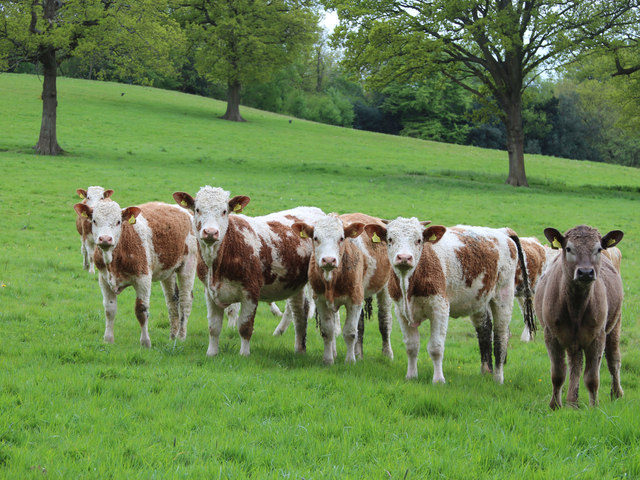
{"x": 458, "y": 271}
{"x": 91, "y": 196}
{"x": 344, "y": 270}
{"x": 579, "y": 305}
{"x": 140, "y": 245}
{"x": 250, "y": 259}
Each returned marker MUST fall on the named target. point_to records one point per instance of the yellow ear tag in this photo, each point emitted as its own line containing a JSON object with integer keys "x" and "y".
{"x": 354, "y": 234}
{"x": 132, "y": 220}
{"x": 184, "y": 203}
{"x": 433, "y": 238}
{"x": 81, "y": 196}
{"x": 556, "y": 243}
{"x": 303, "y": 234}
{"x": 375, "y": 238}
{"x": 84, "y": 214}
{"x": 611, "y": 242}
{"x": 237, "y": 208}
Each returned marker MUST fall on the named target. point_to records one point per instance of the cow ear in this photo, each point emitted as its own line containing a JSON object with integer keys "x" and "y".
{"x": 130, "y": 214}
{"x": 107, "y": 194}
{"x": 82, "y": 193}
{"x": 611, "y": 239}
{"x": 555, "y": 238}
{"x": 377, "y": 233}
{"x": 425, "y": 223}
{"x": 83, "y": 210}
{"x": 302, "y": 230}
{"x": 184, "y": 200}
{"x": 237, "y": 204}
{"x": 433, "y": 234}
{"x": 353, "y": 230}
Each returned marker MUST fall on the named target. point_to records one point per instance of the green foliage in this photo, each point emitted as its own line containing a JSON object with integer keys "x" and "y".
{"x": 74, "y": 407}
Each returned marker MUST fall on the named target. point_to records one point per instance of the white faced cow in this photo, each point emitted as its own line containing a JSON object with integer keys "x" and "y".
{"x": 140, "y": 245}
{"x": 344, "y": 270}
{"x": 438, "y": 272}
{"x": 91, "y": 196}
{"x": 579, "y": 304}
{"x": 249, "y": 260}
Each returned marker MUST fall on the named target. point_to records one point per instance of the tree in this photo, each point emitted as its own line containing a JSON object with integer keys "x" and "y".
{"x": 244, "y": 41}
{"x": 493, "y": 48}
{"x": 50, "y": 31}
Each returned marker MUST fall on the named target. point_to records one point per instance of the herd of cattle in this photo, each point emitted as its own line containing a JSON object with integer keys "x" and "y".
{"x": 427, "y": 272}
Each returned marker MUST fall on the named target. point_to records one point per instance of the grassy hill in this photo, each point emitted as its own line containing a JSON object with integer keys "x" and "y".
{"x": 73, "y": 407}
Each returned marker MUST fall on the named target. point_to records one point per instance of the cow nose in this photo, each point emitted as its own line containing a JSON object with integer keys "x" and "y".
{"x": 404, "y": 260}
{"x": 585, "y": 274}
{"x": 210, "y": 235}
{"x": 105, "y": 240}
{"x": 329, "y": 262}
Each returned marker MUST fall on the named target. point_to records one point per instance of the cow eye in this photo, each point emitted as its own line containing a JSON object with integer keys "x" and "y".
{"x": 568, "y": 249}
{"x": 95, "y": 223}
{"x": 390, "y": 241}
{"x": 418, "y": 242}
{"x": 341, "y": 239}
{"x": 197, "y": 210}
{"x": 118, "y": 224}
{"x": 224, "y": 212}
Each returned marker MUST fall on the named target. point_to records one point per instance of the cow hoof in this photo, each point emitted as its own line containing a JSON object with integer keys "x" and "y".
{"x": 145, "y": 343}
{"x": 387, "y": 352}
{"x": 439, "y": 380}
{"x": 327, "y": 361}
{"x": 108, "y": 339}
{"x": 212, "y": 352}
{"x": 278, "y": 332}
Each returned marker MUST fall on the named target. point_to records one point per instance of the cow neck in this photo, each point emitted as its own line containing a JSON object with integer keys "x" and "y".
{"x": 578, "y": 296}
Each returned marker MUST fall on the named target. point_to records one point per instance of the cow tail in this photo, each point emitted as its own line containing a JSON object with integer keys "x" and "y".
{"x": 529, "y": 320}
{"x": 367, "y": 308}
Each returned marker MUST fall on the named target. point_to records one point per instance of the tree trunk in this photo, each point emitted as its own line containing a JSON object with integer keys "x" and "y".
{"x": 48, "y": 141}
{"x": 233, "y": 103}
{"x": 515, "y": 144}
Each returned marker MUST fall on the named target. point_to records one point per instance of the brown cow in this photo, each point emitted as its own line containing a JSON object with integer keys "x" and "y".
{"x": 344, "y": 270}
{"x": 579, "y": 303}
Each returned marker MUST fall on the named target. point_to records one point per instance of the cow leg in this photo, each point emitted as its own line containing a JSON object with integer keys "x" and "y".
{"x": 232, "y": 311}
{"x": 612, "y": 354}
{"x": 326, "y": 318}
{"x": 245, "y": 325}
{"x": 275, "y": 311}
{"x": 285, "y": 320}
{"x": 501, "y": 308}
{"x": 214, "y": 318}
{"x": 484, "y": 330}
{"x": 350, "y": 331}
{"x": 143, "y": 294}
{"x": 575, "y": 370}
{"x": 186, "y": 278}
{"x": 558, "y": 368}
{"x": 435, "y": 347}
{"x": 359, "y": 336}
{"x": 385, "y": 321}
{"x": 86, "y": 262}
{"x": 593, "y": 358}
{"x": 411, "y": 338}
{"x": 296, "y": 303}
{"x": 172, "y": 298}
{"x": 110, "y": 304}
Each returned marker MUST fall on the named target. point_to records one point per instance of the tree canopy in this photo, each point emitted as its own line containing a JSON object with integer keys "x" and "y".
{"x": 493, "y": 48}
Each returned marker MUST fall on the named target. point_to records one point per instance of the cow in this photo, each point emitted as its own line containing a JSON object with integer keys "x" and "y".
{"x": 579, "y": 304}
{"x": 250, "y": 259}
{"x": 460, "y": 271}
{"x": 139, "y": 245}
{"x": 344, "y": 270}
{"x": 91, "y": 196}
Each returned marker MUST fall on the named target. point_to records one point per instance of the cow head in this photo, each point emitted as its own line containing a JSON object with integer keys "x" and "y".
{"x": 211, "y": 209}
{"x": 581, "y": 250}
{"x": 405, "y": 238}
{"x": 92, "y": 195}
{"x": 328, "y": 234}
{"x": 106, "y": 223}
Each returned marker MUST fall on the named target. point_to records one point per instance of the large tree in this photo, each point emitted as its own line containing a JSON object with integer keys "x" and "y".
{"x": 493, "y": 48}
{"x": 47, "y": 32}
{"x": 236, "y": 42}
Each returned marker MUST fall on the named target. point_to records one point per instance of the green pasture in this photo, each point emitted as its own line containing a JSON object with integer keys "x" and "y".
{"x": 74, "y": 407}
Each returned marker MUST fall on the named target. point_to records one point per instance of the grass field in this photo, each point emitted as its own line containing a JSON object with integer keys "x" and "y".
{"x": 74, "y": 407}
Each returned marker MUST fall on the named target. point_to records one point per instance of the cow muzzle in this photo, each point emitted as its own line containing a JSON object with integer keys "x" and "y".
{"x": 585, "y": 275}
{"x": 105, "y": 242}
{"x": 210, "y": 235}
{"x": 328, "y": 263}
{"x": 403, "y": 262}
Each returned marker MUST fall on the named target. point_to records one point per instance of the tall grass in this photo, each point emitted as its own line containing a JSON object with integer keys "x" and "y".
{"x": 74, "y": 407}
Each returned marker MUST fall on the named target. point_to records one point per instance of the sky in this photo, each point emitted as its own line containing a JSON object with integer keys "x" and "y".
{"x": 330, "y": 20}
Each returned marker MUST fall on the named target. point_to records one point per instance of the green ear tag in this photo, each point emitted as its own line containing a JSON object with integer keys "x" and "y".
{"x": 611, "y": 242}
{"x": 433, "y": 238}
{"x": 184, "y": 203}
{"x": 132, "y": 220}
{"x": 237, "y": 208}
{"x": 556, "y": 243}
{"x": 303, "y": 234}
{"x": 375, "y": 238}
